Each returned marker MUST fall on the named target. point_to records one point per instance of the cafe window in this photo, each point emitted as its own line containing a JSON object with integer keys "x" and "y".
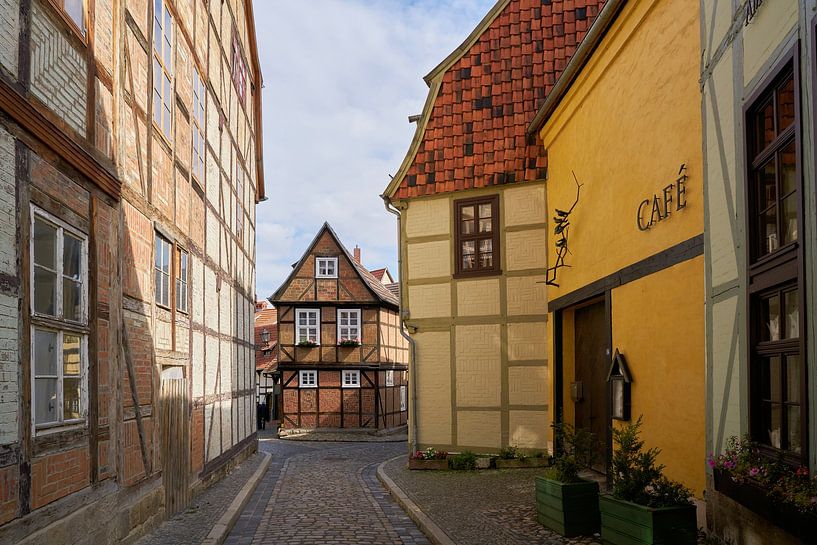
{"x": 777, "y": 370}
{"x": 477, "y": 236}
{"x": 59, "y": 320}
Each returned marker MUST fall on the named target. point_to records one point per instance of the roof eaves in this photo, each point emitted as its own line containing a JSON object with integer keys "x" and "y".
{"x": 578, "y": 61}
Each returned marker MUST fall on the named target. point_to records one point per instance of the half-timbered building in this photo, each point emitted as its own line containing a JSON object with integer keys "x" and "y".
{"x": 129, "y": 172}
{"x": 341, "y": 357}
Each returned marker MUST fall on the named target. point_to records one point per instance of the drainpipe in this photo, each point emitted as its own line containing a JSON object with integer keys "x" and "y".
{"x": 412, "y": 346}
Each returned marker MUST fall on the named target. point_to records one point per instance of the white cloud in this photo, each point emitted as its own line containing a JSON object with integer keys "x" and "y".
{"x": 341, "y": 77}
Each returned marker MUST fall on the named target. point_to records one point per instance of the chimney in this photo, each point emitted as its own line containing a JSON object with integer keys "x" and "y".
{"x": 357, "y": 254}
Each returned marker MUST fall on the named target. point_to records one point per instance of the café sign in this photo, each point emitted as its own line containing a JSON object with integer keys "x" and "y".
{"x": 652, "y": 211}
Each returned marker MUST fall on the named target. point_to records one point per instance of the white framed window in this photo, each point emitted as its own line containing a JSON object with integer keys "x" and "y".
{"x": 59, "y": 318}
{"x": 389, "y": 378}
{"x": 308, "y": 379}
{"x": 326, "y": 267}
{"x": 182, "y": 261}
{"x": 307, "y": 325}
{"x": 403, "y": 398}
{"x": 161, "y": 269}
{"x": 348, "y": 325}
{"x": 351, "y": 379}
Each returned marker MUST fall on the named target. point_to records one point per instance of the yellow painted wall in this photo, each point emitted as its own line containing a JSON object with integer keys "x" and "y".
{"x": 658, "y": 326}
{"x": 628, "y": 122}
{"x": 482, "y": 373}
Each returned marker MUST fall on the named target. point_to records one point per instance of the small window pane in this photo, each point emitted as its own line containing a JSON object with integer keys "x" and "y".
{"x": 71, "y": 300}
{"x": 157, "y": 35}
{"x": 45, "y": 400}
{"x": 45, "y": 352}
{"x": 789, "y": 210}
{"x": 468, "y": 251}
{"x": 45, "y": 244}
{"x": 72, "y": 253}
{"x": 785, "y": 105}
{"x": 770, "y": 310}
{"x": 486, "y": 256}
{"x": 302, "y": 319}
{"x": 775, "y": 425}
{"x": 467, "y": 212}
{"x": 765, "y": 126}
{"x": 792, "y": 312}
{"x": 485, "y": 211}
{"x": 71, "y": 396}
{"x": 793, "y": 379}
{"x": 767, "y": 182}
{"x": 45, "y": 291}
{"x": 485, "y": 226}
{"x": 774, "y": 379}
{"x": 71, "y": 355}
{"x": 788, "y": 169}
{"x": 468, "y": 227}
{"x": 768, "y": 229}
{"x": 794, "y": 432}
{"x": 75, "y": 11}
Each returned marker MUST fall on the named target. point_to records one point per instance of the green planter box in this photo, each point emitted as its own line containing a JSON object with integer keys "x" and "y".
{"x": 627, "y": 523}
{"x": 517, "y": 464}
{"x": 571, "y": 509}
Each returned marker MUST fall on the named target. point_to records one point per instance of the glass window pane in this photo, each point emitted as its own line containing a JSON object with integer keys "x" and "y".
{"x": 767, "y": 185}
{"x": 770, "y": 311}
{"x": 71, "y": 300}
{"x": 765, "y": 126}
{"x": 45, "y": 244}
{"x": 45, "y": 352}
{"x": 157, "y": 82}
{"x": 785, "y": 105}
{"x": 468, "y": 227}
{"x": 75, "y": 11}
{"x": 794, "y": 432}
{"x": 774, "y": 378}
{"x": 485, "y": 211}
{"x": 486, "y": 256}
{"x": 768, "y": 231}
{"x": 789, "y": 210}
{"x": 788, "y": 169}
{"x": 166, "y": 257}
{"x": 468, "y": 258}
{"x": 775, "y": 425}
{"x": 467, "y": 213}
{"x": 71, "y": 355}
{"x": 45, "y": 400}
{"x": 45, "y": 291}
{"x": 792, "y": 313}
{"x": 793, "y": 379}
{"x": 71, "y": 397}
{"x": 485, "y": 226}
{"x": 71, "y": 255}
{"x": 157, "y": 36}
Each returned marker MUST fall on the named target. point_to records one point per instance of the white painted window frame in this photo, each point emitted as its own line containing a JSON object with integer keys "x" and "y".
{"x": 304, "y": 374}
{"x": 353, "y": 376}
{"x": 57, "y": 323}
{"x": 317, "y": 326}
{"x": 340, "y": 328}
{"x": 327, "y": 260}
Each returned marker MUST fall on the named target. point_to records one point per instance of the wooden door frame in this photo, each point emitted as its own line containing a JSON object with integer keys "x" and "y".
{"x": 558, "y": 355}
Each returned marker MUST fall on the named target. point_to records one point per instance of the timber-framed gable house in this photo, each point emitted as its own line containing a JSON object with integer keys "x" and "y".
{"x": 342, "y": 360}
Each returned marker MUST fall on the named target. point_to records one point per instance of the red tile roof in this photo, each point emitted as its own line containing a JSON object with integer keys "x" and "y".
{"x": 378, "y": 273}
{"x": 473, "y": 129}
{"x": 266, "y": 319}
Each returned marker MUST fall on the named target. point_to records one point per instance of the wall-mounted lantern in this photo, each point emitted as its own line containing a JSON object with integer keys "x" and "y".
{"x": 620, "y": 380}
{"x": 265, "y": 336}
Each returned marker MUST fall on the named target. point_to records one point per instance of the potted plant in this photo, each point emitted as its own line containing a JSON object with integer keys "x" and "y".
{"x": 306, "y": 343}
{"x": 644, "y": 507}
{"x": 565, "y": 502}
{"x": 348, "y": 343}
{"x": 511, "y": 457}
{"x": 429, "y": 458}
{"x": 784, "y": 494}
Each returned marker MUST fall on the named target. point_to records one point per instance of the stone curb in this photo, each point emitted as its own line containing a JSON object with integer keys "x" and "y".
{"x": 434, "y": 533}
{"x": 224, "y": 524}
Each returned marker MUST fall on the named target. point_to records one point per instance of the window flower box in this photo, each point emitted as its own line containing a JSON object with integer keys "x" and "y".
{"x": 307, "y": 344}
{"x": 348, "y": 343}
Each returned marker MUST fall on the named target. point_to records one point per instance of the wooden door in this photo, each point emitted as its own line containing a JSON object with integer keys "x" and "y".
{"x": 175, "y": 442}
{"x": 590, "y": 329}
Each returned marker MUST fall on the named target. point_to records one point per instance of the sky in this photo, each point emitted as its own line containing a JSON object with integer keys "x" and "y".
{"x": 341, "y": 78}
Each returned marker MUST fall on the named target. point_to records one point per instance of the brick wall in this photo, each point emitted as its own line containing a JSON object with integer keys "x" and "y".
{"x": 58, "y": 71}
{"x": 9, "y": 32}
{"x": 57, "y": 475}
{"x": 8, "y": 301}
{"x": 9, "y": 478}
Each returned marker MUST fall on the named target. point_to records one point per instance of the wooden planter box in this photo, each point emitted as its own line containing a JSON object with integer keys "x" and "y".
{"x": 416, "y": 463}
{"x": 571, "y": 509}
{"x": 627, "y": 523}
{"x": 754, "y": 498}
{"x": 515, "y": 464}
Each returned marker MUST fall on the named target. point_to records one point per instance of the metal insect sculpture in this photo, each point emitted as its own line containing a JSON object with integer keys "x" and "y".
{"x": 561, "y": 229}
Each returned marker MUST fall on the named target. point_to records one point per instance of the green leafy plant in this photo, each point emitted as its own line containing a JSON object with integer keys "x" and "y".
{"x": 508, "y": 453}
{"x": 463, "y": 461}
{"x": 430, "y": 454}
{"x": 306, "y": 343}
{"x": 636, "y": 475}
{"x": 578, "y": 450}
{"x": 350, "y": 343}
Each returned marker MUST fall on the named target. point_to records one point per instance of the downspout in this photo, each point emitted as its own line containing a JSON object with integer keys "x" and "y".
{"x": 412, "y": 346}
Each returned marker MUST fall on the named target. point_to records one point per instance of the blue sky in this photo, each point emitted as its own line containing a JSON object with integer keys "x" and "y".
{"x": 341, "y": 78}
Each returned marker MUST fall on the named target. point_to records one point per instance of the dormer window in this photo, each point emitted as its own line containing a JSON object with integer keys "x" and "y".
{"x": 326, "y": 267}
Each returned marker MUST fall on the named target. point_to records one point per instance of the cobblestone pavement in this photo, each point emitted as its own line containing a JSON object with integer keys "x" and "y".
{"x": 324, "y": 493}
{"x": 489, "y": 507}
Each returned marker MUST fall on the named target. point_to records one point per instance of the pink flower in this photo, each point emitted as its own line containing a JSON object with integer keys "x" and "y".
{"x": 754, "y": 472}
{"x": 711, "y": 461}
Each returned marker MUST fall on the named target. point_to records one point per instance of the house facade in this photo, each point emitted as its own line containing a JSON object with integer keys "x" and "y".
{"x": 266, "y": 359}
{"x": 625, "y": 246}
{"x": 758, "y": 84}
{"x": 470, "y": 197}
{"x": 129, "y": 172}
{"x": 342, "y": 360}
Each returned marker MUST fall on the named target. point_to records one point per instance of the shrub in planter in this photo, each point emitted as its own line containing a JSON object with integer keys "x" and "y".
{"x": 348, "y": 343}
{"x": 566, "y": 503}
{"x": 463, "y": 461}
{"x": 429, "y": 458}
{"x": 644, "y": 507}
{"x": 512, "y": 457}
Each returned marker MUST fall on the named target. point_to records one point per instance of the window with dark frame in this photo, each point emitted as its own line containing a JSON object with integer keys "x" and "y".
{"x": 239, "y": 69}
{"x": 197, "y": 129}
{"x": 161, "y": 269}
{"x": 182, "y": 263}
{"x": 74, "y": 10}
{"x": 162, "y": 67}
{"x": 777, "y": 371}
{"x": 477, "y": 236}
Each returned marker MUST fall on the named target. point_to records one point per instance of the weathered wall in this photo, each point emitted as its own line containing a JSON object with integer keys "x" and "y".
{"x": 481, "y": 356}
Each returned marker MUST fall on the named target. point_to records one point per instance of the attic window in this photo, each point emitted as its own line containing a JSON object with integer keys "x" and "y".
{"x": 326, "y": 267}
